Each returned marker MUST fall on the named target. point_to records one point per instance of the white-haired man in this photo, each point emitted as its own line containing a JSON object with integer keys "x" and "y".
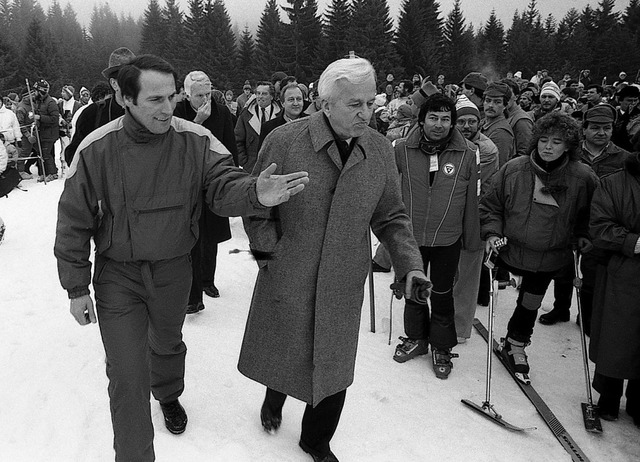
{"x": 302, "y": 330}
{"x": 199, "y": 108}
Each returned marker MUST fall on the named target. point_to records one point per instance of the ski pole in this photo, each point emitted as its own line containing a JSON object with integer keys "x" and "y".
{"x": 590, "y": 415}
{"x": 41, "y": 156}
{"x": 372, "y": 303}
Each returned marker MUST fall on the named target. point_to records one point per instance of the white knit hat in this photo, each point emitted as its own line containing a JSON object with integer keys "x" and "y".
{"x": 552, "y": 89}
{"x": 465, "y": 106}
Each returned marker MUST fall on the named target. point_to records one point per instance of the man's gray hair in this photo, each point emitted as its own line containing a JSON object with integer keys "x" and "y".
{"x": 353, "y": 70}
{"x": 194, "y": 77}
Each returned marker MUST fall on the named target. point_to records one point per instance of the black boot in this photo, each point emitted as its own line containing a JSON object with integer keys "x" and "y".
{"x": 175, "y": 417}
{"x": 554, "y": 316}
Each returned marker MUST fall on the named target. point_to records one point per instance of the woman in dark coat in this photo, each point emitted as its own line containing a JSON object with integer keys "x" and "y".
{"x": 540, "y": 204}
{"x": 615, "y": 328}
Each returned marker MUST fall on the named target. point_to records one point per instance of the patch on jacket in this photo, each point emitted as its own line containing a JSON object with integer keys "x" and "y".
{"x": 449, "y": 169}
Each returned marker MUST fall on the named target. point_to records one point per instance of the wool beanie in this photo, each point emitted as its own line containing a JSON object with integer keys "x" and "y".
{"x": 464, "y": 106}
{"x": 552, "y": 89}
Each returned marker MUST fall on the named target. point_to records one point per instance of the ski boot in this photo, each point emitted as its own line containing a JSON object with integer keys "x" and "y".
{"x": 410, "y": 348}
{"x": 442, "y": 364}
{"x": 513, "y": 352}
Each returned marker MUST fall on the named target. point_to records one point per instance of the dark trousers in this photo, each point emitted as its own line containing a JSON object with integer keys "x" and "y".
{"x": 610, "y": 390}
{"x": 203, "y": 261}
{"x": 48, "y": 156}
{"x": 141, "y": 308}
{"x": 319, "y": 423}
{"x": 440, "y": 327}
{"x": 532, "y": 290}
{"x": 563, "y": 288}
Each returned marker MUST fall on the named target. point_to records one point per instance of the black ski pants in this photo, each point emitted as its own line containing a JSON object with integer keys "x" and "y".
{"x": 532, "y": 289}
{"x": 141, "y": 308}
{"x": 319, "y": 423}
{"x": 440, "y": 327}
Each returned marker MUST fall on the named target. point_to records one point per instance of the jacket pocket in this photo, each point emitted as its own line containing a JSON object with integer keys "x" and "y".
{"x": 104, "y": 235}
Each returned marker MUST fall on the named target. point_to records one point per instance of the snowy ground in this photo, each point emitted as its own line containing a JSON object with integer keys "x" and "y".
{"x": 55, "y": 405}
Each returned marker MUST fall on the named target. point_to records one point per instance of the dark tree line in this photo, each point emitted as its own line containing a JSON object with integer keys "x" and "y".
{"x": 294, "y": 37}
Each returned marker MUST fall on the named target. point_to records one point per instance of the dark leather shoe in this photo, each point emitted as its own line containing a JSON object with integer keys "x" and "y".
{"x": 554, "y": 316}
{"x": 331, "y": 457}
{"x": 212, "y": 291}
{"x": 194, "y": 308}
{"x": 270, "y": 420}
{"x": 378, "y": 268}
{"x": 175, "y": 418}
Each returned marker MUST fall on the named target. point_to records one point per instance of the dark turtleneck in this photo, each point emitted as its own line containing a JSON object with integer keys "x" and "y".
{"x": 548, "y": 166}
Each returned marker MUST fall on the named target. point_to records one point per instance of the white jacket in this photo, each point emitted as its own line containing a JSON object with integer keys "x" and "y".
{"x": 4, "y": 157}
{"x": 9, "y": 125}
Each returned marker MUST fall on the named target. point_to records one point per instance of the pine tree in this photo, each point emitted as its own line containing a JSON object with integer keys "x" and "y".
{"x": 153, "y": 32}
{"x": 245, "y": 60}
{"x": 302, "y": 36}
{"x": 195, "y": 29}
{"x": 222, "y": 43}
{"x": 419, "y": 37}
{"x": 457, "y": 45}
{"x": 336, "y": 29}
{"x": 491, "y": 47}
{"x": 174, "y": 38}
{"x": 21, "y": 13}
{"x": 9, "y": 68}
{"x": 67, "y": 36}
{"x": 371, "y": 35}
{"x": 39, "y": 55}
{"x": 269, "y": 41}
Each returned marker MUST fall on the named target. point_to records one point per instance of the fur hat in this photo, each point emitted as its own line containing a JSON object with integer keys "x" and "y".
{"x": 475, "y": 80}
{"x": 118, "y": 58}
{"x": 550, "y": 88}
{"x": 464, "y": 106}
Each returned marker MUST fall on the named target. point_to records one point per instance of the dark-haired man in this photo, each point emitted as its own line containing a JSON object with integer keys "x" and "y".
{"x": 135, "y": 188}
{"x": 495, "y": 124}
{"x": 440, "y": 185}
{"x": 104, "y": 111}
{"x": 628, "y": 110}
{"x": 249, "y": 125}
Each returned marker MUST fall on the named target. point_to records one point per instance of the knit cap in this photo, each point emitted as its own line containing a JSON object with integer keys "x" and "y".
{"x": 550, "y": 88}
{"x": 464, "y": 106}
{"x": 69, "y": 90}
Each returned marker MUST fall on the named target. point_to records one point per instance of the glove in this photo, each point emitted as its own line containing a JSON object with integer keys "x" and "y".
{"x": 19, "y": 144}
{"x": 420, "y": 290}
{"x": 584, "y": 245}
{"x": 32, "y": 139}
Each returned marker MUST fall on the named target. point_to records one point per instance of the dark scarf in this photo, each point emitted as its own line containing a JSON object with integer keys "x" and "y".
{"x": 431, "y": 148}
{"x": 549, "y": 167}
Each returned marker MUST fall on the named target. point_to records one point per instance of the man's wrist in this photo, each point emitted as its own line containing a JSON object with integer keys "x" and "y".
{"x": 78, "y": 292}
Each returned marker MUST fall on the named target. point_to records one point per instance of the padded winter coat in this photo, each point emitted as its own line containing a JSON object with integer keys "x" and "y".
{"x": 540, "y": 213}
{"x": 138, "y": 195}
{"x": 447, "y": 209}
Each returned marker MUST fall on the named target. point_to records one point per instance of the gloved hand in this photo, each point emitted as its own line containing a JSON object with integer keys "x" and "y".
{"x": 584, "y": 245}
{"x": 420, "y": 290}
{"x": 32, "y": 139}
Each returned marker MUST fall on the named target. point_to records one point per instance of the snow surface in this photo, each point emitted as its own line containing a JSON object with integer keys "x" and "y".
{"x": 54, "y": 389}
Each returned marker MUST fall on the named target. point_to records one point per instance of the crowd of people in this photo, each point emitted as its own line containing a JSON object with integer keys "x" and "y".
{"x": 439, "y": 172}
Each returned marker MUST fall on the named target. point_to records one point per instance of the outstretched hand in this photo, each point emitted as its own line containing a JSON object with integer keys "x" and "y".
{"x": 276, "y": 189}
{"x": 82, "y": 309}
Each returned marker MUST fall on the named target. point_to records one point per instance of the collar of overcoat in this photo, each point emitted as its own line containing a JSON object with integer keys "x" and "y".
{"x": 322, "y": 137}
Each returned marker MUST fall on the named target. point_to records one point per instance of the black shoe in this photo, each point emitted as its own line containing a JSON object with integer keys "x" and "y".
{"x": 212, "y": 291}
{"x": 379, "y": 269}
{"x": 554, "y": 316}
{"x": 194, "y": 308}
{"x": 270, "y": 420}
{"x": 331, "y": 457}
{"x": 608, "y": 408}
{"x": 175, "y": 418}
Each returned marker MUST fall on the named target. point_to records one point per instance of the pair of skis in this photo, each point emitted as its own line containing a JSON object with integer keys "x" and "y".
{"x": 591, "y": 419}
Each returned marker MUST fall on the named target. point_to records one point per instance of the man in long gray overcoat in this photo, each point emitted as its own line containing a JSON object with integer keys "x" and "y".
{"x": 313, "y": 253}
